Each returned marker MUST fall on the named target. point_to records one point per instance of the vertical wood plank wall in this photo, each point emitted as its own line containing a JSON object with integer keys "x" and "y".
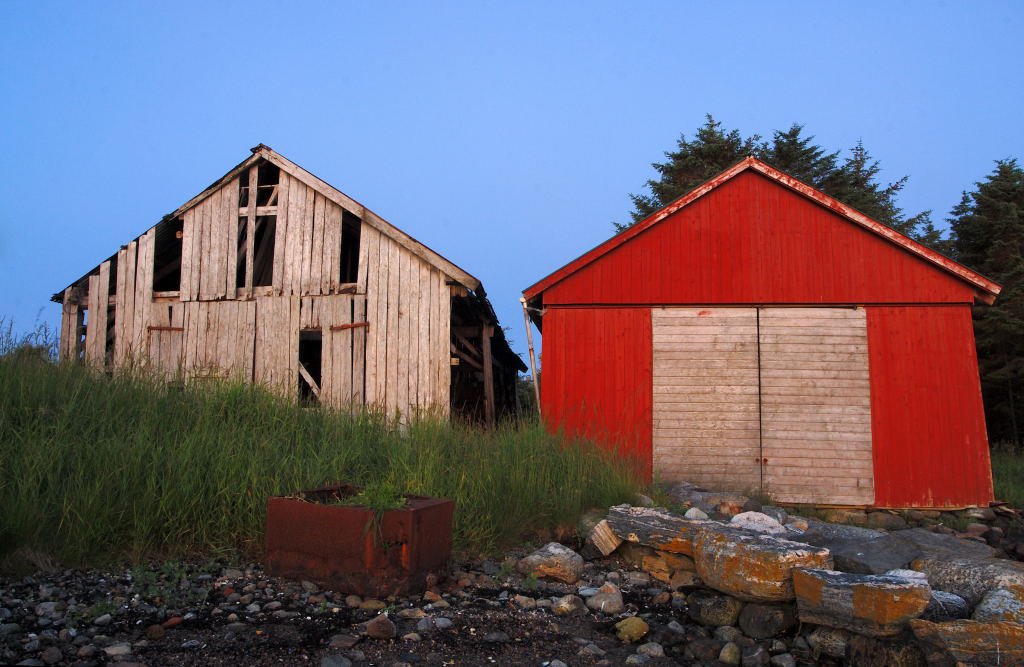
{"x": 706, "y": 403}
{"x": 398, "y": 363}
{"x": 598, "y": 384}
{"x": 816, "y": 405}
{"x": 930, "y": 445}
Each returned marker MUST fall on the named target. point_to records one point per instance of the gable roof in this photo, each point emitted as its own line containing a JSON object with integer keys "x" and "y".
{"x": 986, "y": 289}
{"x": 264, "y": 152}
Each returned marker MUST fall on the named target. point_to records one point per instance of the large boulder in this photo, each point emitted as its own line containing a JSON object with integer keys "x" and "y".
{"x": 1001, "y": 604}
{"x": 553, "y": 561}
{"x": 970, "y": 578}
{"x": 946, "y": 607}
{"x": 753, "y": 567}
{"x": 937, "y": 545}
{"x": 655, "y": 528}
{"x": 870, "y": 556}
{"x": 972, "y": 642}
{"x": 874, "y": 605}
{"x": 821, "y": 533}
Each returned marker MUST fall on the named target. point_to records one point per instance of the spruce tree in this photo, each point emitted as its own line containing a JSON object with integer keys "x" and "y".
{"x": 852, "y": 181}
{"x": 988, "y": 235}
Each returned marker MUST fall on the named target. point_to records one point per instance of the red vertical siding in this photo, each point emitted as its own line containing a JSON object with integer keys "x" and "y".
{"x": 596, "y": 377}
{"x": 752, "y": 241}
{"x": 928, "y": 426}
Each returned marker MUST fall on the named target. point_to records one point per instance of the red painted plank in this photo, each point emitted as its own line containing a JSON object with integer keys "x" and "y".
{"x": 596, "y": 378}
{"x": 927, "y": 421}
{"x": 986, "y": 289}
{"x": 750, "y": 241}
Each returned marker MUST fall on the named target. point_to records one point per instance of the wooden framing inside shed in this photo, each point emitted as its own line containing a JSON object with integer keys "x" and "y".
{"x": 273, "y": 276}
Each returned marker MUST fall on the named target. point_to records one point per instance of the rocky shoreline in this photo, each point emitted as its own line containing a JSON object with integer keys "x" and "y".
{"x": 721, "y": 581}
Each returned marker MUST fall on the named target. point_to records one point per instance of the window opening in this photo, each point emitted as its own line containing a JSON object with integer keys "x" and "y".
{"x": 167, "y": 256}
{"x": 263, "y": 255}
{"x": 243, "y": 246}
{"x": 310, "y": 353}
{"x": 349, "y": 268}
{"x": 268, "y": 178}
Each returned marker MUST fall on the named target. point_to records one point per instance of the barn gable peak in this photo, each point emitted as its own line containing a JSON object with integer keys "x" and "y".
{"x": 986, "y": 290}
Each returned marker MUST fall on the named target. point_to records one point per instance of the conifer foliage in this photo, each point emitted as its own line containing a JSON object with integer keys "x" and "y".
{"x": 987, "y": 228}
{"x": 851, "y": 180}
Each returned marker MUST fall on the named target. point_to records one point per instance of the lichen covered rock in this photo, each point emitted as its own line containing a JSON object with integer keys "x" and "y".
{"x": 753, "y": 567}
{"x": 873, "y": 605}
{"x": 1001, "y": 604}
{"x": 553, "y": 561}
{"x": 972, "y": 642}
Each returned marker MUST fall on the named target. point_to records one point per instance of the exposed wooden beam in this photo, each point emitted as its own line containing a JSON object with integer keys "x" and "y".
{"x": 486, "y": 331}
{"x": 309, "y": 380}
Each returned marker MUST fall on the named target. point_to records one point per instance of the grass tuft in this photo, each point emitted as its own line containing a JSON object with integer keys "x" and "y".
{"x": 1008, "y": 474}
{"x": 96, "y": 468}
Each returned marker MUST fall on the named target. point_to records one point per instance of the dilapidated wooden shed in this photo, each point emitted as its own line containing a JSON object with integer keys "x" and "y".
{"x": 757, "y": 334}
{"x": 271, "y": 275}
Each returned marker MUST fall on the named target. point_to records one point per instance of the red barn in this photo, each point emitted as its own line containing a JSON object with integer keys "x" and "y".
{"x": 757, "y": 334}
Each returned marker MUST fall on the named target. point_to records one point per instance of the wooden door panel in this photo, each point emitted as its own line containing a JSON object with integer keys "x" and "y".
{"x": 816, "y": 406}
{"x": 706, "y": 397}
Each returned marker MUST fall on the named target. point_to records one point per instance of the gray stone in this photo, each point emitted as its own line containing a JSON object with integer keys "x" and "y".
{"x": 713, "y": 609}
{"x": 758, "y": 522}
{"x": 703, "y": 650}
{"x": 762, "y": 621}
{"x": 335, "y": 660}
{"x": 886, "y": 521}
{"x": 695, "y": 513}
{"x": 553, "y": 561}
{"x": 607, "y": 600}
{"x": 412, "y": 637}
{"x": 829, "y": 641}
{"x": 497, "y": 638}
{"x": 524, "y": 602}
{"x": 874, "y": 556}
{"x": 191, "y": 644}
{"x": 103, "y": 620}
{"x": 592, "y": 649}
{"x": 945, "y": 606}
{"x": 938, "y": 545}
{"x": 9, "y": 629}
{"x": 51, "y": 655}
{"x": 783, "y": 660}
{"x": 442, "y": 623}
{"x": 115, "y": 650}
{"x": 1001, "y": 604}
{"x": 776, "y": 513}
{"x": 970, "y": 578}
{"x": 820, "y": 533}
{"x": 636, "y": 659}
{"x": 651, "y": 650}
{"x": 754, "y": 656}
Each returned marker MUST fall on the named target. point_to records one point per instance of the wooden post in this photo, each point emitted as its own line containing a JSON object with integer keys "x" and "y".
{"x": 250, "y": 230}
{"x": 486, "y": 331}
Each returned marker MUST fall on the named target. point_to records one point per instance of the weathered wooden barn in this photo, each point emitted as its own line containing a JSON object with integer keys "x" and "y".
{"x": 274, "y": 276}
{"x": 757, "y": 334}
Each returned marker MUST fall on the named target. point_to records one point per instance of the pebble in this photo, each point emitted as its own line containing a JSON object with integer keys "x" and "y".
{"x": 115, "y": 650}
{"x": 783, "y": 660}
{"x": 592, "y": 649}
{"x": 343, "y": 641}
{"x": 381, "y": 627}
{"x": 497, "y": 638}
{"x": 651, "y": 650}
{"x": 155, "y": 632}
{"x": 51, "y": 655}
{"x": 335, "y": 660}
{"x": 103, "y": 620}
{"x": 631, "y": 629}
{"x": 191, "y": 644}
{"x": 730, "y": 654}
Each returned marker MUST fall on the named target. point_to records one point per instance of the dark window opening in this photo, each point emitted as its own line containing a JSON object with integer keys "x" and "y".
{"x": 243, "y": 230}
{"x": 310, "y": 352}
{"x": 112, "y": 287}
{"x": 243, "y": 189}
{"x": 167, "y": 256}
{"x": 349, "y": 270}
{"x": 108, "y": 345}
{"x": 263, "y": 255}
{"x": 267, "y": 180}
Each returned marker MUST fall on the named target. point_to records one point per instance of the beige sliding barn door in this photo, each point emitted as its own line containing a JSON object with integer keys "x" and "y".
{"x": 706, "y": 397}
{"x": 816, "y": 405}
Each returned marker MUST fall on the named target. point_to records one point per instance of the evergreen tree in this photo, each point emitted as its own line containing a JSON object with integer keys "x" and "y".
{"x": 988, "y": 235}
{"x": 851, "y": 181}
{"x": 711, "y": 152}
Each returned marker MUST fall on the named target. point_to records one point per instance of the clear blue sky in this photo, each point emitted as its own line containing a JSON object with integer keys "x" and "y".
{"x": 506, "y": 136}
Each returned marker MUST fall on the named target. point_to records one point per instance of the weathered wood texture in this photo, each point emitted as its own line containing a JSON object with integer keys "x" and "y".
{"x": 69, "y": 317}
{"x": 706, "y": 419}
{"x": 816, "y": 405}
{"x": 96, "y": 327}
{"x": 398, "y": 362}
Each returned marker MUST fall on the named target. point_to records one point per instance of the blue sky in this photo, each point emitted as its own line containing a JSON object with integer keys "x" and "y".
{"x": 506, "y": 136}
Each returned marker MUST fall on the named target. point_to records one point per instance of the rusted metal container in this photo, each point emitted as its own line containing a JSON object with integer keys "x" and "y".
{"x": 346, "y": 548}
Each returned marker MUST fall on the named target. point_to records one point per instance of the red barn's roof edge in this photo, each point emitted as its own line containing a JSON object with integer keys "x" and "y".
{"x": 987, "y": 289}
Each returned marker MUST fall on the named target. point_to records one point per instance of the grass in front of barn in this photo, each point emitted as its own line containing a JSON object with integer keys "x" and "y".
{"x": 94, "y": 468}
{"x": 1008, "y": 474}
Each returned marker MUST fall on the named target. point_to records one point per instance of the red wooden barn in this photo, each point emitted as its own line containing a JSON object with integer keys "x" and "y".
{"x": 757, "y": 334}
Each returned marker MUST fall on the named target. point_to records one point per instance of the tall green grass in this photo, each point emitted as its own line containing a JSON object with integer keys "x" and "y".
{"x": 95, "y": 468}
{"x": 1008, "y": 474}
